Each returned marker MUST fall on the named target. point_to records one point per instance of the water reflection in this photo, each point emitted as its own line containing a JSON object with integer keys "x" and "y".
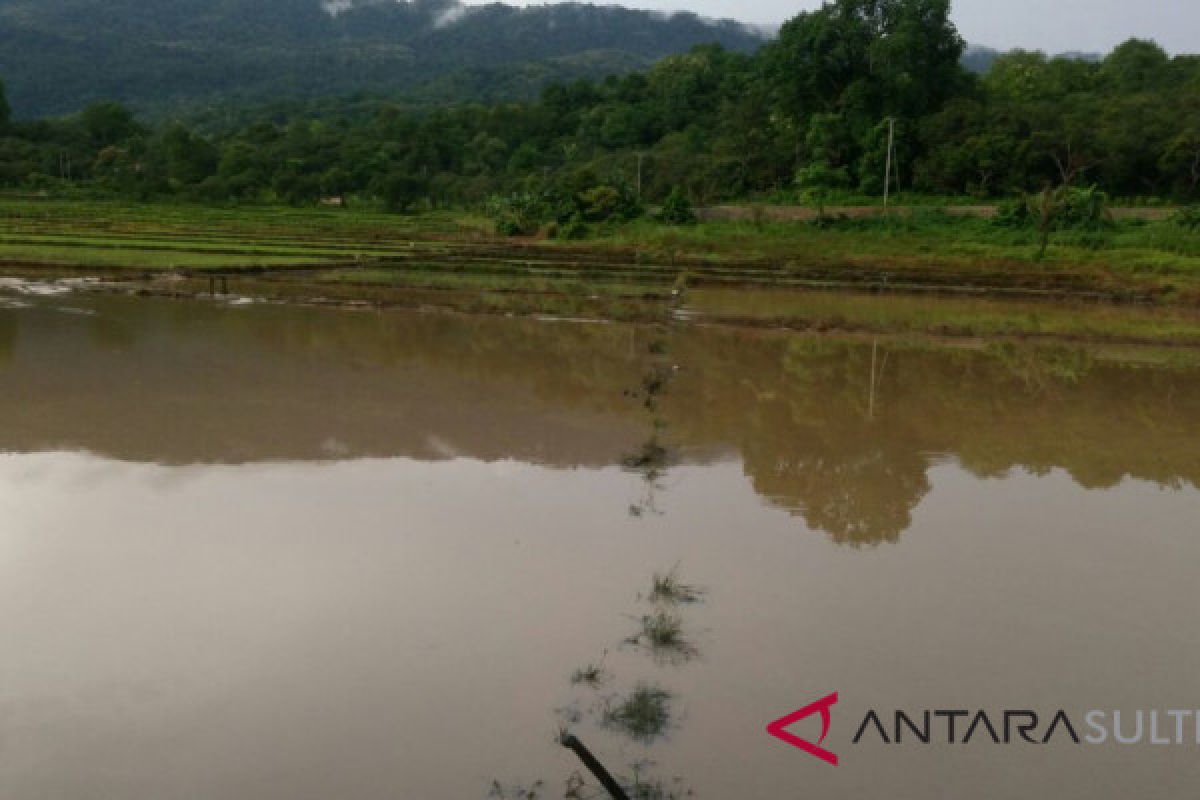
{"x": 842, "y": 434}
{"x": 852, "y": 455}
{"x": 232, "y": 598}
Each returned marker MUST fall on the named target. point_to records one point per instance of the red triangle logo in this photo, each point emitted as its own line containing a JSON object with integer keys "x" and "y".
{"x": 779, "y": 728}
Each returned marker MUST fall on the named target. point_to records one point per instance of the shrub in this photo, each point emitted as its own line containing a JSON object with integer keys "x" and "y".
{"x": 599, "y": 203}
{"x": 574, "y": 229}
{"x": 1083, "y": 209}
{"x": 517, "y": 214}
{"x": 1187, "y": 217}
{"x": 1013, "y": 213}
{"x": 677, "y": 209}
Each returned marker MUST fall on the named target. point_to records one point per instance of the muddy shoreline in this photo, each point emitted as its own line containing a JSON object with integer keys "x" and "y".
{"x": 292, "y": 287}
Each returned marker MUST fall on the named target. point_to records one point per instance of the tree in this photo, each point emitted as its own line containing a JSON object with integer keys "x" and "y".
{"x": 108, "y": 124}
{"x": 817, "y": 181}
{"x": 5, "y": 109}
{"x": 1065, "y": 131}
{"x": 400, "y": 191}
{"x": 677, "y": 209}
{"x": 190, "y": 159}
{"x": 1066, "y": 207}
{"x": 1181, "y": 162}
{"x": 868, "y": 59}
{"x": 1135, "y": 66}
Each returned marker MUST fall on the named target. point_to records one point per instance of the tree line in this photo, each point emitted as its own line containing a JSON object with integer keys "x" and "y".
{"x": 813, "y": 110}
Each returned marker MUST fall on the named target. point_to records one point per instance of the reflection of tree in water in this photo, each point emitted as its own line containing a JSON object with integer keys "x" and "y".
{"x": 796, "y": 409}
{"x": 652, "y": 458}
{"x": 848, "y": 447}
{"x": 861, "y": 496}
{"x": 820, "y": 441}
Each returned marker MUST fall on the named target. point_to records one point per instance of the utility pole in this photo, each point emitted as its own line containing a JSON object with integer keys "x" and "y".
{"x": 887, "y": 171}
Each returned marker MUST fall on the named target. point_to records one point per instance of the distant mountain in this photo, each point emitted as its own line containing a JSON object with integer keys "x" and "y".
{"x": 56, "y": 56}
{"x": 979, "y": 59}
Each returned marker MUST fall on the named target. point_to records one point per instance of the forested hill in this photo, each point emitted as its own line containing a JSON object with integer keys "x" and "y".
{"x": 57, "y": 56}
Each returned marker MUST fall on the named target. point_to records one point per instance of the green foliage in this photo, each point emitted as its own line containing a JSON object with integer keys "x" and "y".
{"x": 1013, "y": 213}
{"x": 190, "y": 159}
{"x": 1083, "y": 209}
{"x": 574, "y": 229}
{"x": 566, "y": 209}
{"x": 108, "y": 124}
{"x": 605, "y": 203}
{"x": 400, "y": 191}
{"x": 805, "y": 118}
{"x": 5, "y": 108}
{"x": 677, "y": 209}
{"x": 517, "y": 214}
{"x": 817, "y": 182}
{"x": 644, "y": 715}
{"x": 853, "y": 63}
{"x": 1188, "y": 218}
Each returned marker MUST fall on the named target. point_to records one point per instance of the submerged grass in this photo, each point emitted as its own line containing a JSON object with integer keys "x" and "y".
{"x": 594, "y": 675}
{"x": 662, "y": 634}
{"x": 668, "y": 588}
{"x": 644, "y": 715}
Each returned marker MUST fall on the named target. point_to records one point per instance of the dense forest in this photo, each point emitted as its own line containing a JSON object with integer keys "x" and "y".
{"x": 171, "y": 56}
{"x": 807, "y": 114}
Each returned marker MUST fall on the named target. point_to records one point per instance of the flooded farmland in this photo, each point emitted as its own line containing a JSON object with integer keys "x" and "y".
{"x": 280, "y": 552}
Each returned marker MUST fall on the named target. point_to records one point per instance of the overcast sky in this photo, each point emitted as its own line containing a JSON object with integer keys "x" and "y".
{"x": 1052, "y": 25}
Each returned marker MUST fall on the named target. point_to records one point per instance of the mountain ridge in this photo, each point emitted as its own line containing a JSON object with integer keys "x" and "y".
{"x": 181, "y": 53}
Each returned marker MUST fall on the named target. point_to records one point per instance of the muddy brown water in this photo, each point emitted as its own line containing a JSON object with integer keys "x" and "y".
{"x": 290, "y": 554}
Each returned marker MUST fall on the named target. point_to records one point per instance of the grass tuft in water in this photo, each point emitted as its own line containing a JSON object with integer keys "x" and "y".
{"x": 662, "y": 633}
{"x": 594, "y": 675}
{"x": 662, "y": 629}
{"x": 532, "y": 792}
{"x": 669, "y": 589}
{"x": 644, "y": 715}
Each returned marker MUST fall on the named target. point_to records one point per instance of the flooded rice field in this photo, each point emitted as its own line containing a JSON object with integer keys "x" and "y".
{"x": 289, "y": 553}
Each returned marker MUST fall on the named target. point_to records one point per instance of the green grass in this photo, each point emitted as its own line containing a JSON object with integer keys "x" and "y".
{"x": 669, "y": 589}
{"x": 119, "y": 258}
{"x": 923, "y": 238}
{"x": 662, "y": 635}
{"x": 962, "y": 316}
{"x": 593, "y": 675}
{"x": 742, "y": 272}
{"x": 644, "y": 715}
